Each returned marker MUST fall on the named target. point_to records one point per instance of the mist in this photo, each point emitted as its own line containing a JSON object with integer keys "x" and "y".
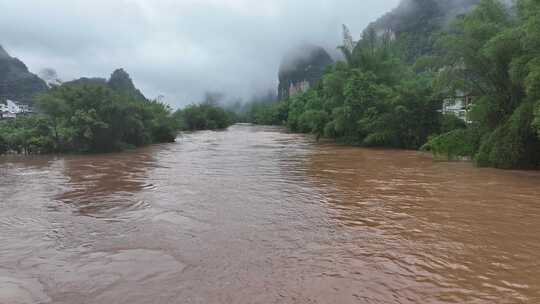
{"x": 178, "y": 49}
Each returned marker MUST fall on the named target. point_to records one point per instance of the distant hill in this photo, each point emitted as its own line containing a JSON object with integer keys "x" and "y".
{"x": 86, "y": 81}
{"x": 16, "y": 81}
{"x": 302, "y": 68}
{"x": 120, "y": 81}
{"x": 18, "y": 84}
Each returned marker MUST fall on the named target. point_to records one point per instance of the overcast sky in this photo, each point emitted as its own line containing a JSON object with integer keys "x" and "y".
{"x": 178, "y": 48}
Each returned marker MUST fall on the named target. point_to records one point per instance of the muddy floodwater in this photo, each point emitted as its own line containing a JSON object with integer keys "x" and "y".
{"x": 256, "y": 215}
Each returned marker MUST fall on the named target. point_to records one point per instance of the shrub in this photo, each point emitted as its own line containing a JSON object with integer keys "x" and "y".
{"x": 512, "y": 145}
{"x": 451, "y": 122}
{"x": 452, "y": 145}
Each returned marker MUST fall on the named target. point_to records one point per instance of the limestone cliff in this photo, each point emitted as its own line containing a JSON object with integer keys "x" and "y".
{"x": 301, "y": 69}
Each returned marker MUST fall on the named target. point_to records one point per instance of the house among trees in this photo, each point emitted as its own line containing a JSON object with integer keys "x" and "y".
{"x": 458, "y": 105}
{"x": 11, "y": 109}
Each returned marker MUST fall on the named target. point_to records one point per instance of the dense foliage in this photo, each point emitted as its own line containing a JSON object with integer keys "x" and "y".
{"x": 204, "y": 116}
{"x": 373, "y": 99}
{"x": 89, "y": 118}
{"x": 494, "y": 54}
{"x": 390, "y": 90}
{"x": 261, "y": 110}
{"x": 274, "y": 113}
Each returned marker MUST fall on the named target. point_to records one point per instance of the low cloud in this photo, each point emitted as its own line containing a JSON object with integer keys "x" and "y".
{"x": 177, "y": 48}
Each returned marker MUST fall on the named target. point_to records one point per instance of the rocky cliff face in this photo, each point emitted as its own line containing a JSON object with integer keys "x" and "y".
{"x": 300, "y": 69}
{"x": 16, "y": 82}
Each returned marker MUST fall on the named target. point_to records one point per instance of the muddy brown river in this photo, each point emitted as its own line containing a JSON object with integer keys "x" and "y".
{"x": 256, "y": 215}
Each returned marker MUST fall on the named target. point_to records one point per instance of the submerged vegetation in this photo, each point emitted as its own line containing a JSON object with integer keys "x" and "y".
{"x": 390, "y": 89}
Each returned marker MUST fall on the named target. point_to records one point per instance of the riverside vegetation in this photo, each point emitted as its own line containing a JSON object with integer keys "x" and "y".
{"x": 389, "y": 90}
{"x": 203, "y": 116}
{"x": 90, "y": 118}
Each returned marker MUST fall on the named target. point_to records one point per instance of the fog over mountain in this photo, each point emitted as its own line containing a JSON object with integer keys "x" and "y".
{"x": 178, "y": 48}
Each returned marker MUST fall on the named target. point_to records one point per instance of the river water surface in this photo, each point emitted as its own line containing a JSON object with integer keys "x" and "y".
{"x": 256, "y": 215}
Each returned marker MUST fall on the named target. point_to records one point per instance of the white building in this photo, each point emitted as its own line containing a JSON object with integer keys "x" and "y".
{"x": 10, "y": 109}
{"x": 458, "y": 105}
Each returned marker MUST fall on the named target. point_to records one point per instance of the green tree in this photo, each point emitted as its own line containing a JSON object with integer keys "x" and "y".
{"x": 205, "y": 116}
{"x": 3, "y": 144}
